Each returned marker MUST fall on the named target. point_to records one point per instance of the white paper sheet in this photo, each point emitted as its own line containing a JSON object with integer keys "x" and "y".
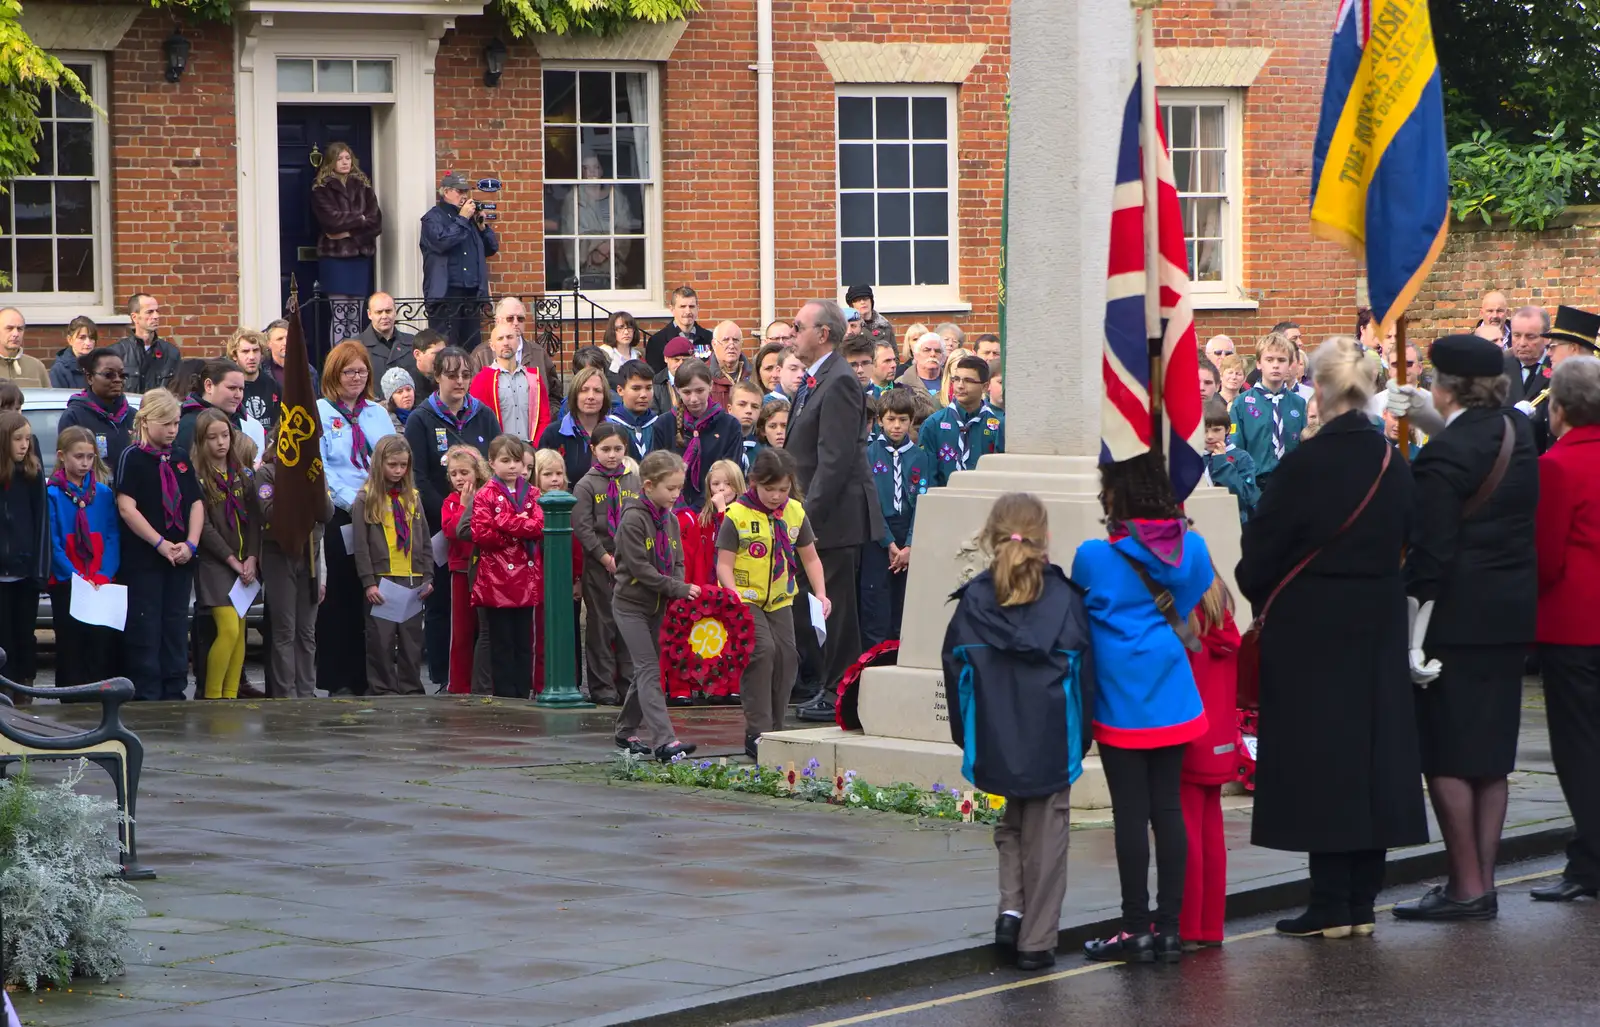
{"x": 400, "y": 604}
{"x": 349, "y": 539}
{"x": 258, "y": 434}
{"x": 242, "y": 595}
{"x": 441, "y": 549}
{"x": 105, "y": 607}
{"x": 819, "y": 623}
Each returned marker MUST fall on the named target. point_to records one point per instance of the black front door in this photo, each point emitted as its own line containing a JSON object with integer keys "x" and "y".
{"x": 303, "y": 130}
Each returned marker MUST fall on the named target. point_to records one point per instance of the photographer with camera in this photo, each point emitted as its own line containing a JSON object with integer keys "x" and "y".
{"x": 457, "y": 243}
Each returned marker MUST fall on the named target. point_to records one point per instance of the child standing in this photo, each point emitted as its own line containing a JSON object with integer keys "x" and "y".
{"x": 649, "y": 576}
{"x": 158, "y": 500}
{"x": 294, "y": 584}
{"x": 230, "y": 545}
{"x": 601, "y": 494}
{"x": 1018, "y": 649}
{"x": 507, "y": 525}
{"x": 698, "y": 529}
{"x": 466, "y": 472}
{"x": 744, "y": 403}
{"x": 391, "y": 541}
{"x": 700, "y": 431}
{"x": 901, "y": 472}
{"x": 763, "y": 538}
{"x": 772, "y": 427}
{"x": 1146, "y": 707}
{"x": 24, "y": 545}
{"x": 1229, "y": 466}
{"x": 84, "y": 540}
{"x": 1270, "y": 416}
{"x": 1209, "y": 762}
{"x": 550, "y": 475}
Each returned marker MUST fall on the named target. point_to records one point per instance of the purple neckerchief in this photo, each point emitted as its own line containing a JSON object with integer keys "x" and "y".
{"x": 458, "y": 421}
{"x": 783, "y": 553}
{"x": 690, "y": 428}
{"x": 233, "y": 513}
{"x": 613, "y": 493}
{"x": 402, "y": 522}
{"x": 116, "y": 417}
{"x": 360, "y": 452}
{"x": 171, "y": 504}
{"x": 661, "y": 554}
{"x": 1163, "y": 538}
{"x": 80, "y": 498}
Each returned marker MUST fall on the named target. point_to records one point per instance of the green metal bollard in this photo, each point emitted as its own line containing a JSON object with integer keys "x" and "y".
{"x": 560, "y": 658}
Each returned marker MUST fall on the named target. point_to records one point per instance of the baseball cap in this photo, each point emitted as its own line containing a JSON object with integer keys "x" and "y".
{"x": 455, "y": 180}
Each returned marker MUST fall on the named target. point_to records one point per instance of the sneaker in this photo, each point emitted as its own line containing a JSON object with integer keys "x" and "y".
{"x": 634, "y": 746}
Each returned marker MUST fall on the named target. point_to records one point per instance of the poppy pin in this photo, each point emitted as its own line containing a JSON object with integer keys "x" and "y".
{"x": 183, "y": 467}
{"x": 338, "y": 424}
{"x": 1545, "y": 372}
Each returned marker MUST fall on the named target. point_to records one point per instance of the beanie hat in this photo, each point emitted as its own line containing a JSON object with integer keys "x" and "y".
{"x": 395, "y": 379}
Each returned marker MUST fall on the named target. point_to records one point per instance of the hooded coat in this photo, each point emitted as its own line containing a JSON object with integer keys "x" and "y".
{"x": 65, "y": 372}
{"x": 1213, "y": 758}
{"x": 1024, "y": 681}
{"x": 112, "y": 430}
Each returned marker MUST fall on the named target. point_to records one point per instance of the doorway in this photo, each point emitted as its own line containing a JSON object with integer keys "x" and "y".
{"x": 304, "y": 132}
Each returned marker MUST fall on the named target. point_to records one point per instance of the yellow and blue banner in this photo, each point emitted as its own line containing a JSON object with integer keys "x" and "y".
{"x": 1380, "y": 178}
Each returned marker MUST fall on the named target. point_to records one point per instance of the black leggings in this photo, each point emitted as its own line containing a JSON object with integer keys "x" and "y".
{"x": 510, "y": 649}
{"x": 1145, "y": 793}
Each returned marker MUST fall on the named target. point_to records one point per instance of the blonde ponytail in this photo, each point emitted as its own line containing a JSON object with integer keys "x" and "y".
{"x": 1017, "y": 537}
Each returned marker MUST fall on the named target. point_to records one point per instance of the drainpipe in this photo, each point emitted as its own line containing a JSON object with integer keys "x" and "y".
{"x": 764, "y": 157}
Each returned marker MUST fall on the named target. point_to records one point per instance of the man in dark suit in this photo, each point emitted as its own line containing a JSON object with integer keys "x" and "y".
{"x": 685, "y": 310}
{"x": 828, "y": 438}
{"x": 1526, "y": 367}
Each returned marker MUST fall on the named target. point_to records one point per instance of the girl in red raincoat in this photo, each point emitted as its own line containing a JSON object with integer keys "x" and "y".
{"x": 507, "y": 526}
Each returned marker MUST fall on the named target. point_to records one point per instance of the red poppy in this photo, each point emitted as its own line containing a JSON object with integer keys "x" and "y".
{"x": 183, "y": 468}
{"x": 791, "y": 777}
{"x": 966, "y": 807}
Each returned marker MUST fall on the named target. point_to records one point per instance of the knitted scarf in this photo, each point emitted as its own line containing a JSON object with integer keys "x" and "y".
{"x": 613, "y": 493}
{"x": 171, "y": 505}
{"x": 360, "y": 452}
{"x": 784, "y": 559}
{"x": 689, "y": 428}
{"x": 661, "y": 552}
{"x": 80, "y": 498}
{"x": 402, "y": 521}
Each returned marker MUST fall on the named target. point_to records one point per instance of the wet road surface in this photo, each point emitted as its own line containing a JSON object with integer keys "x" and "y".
{"x": 1536, "y": 965}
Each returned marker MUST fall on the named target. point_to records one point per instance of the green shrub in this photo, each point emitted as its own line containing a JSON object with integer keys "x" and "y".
{"x": 1527, "y": 184}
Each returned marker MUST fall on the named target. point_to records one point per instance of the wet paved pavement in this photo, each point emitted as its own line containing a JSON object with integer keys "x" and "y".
{"x": 453, "y": 860}
{"x": 1535, "y": 965}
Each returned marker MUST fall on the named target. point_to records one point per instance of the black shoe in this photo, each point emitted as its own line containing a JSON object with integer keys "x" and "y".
{"x": 1122, "y": 948}
{"x": 665, "y": 753}
{"x": 732, "y": 699}
{"x": 680, "y": 700}
{"x": 1314, "y": 922}
{"x": 1436, "y": 905}
{"x": 750, "y": 746}
{"x": 1565, "y": 889}
{"x": 804, "y": 692}
{"x": 605, "y": 697}
{"x": 1034, "y": 960}
{"x": 1169, "y": 948}
{"x": 817, "y": 711}
{"x": 1006, "y": 930}
{"x": 634, "y": 746}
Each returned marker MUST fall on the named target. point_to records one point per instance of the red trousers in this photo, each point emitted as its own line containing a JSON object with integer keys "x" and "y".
{"x": 1205, "y": 885}
{"x": 463, "y": 633}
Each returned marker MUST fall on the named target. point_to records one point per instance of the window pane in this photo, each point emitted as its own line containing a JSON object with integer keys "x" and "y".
{"x": 894, "y": 214}
{"x": 1188, "y": 216}
{"x": 35, "y": 265}
{"x": 855, "y": 216}
{"x": 558, "y": 210}
{"x": 596, "y": 156}
{"x": 1183, "y": 175}
{"x": 594, "y": 97}
{"x": 595, "y": 270}
{"x": 75, "y": 148}
{"x": 75, "y": 265}
{"x": 894, "y": 117}
{"x": 928, "y": 117}
{"x": 933, "y": 262}
{"x": 1211, "y": 164}
{"x": 855, "y": 117}
{"x": 68, "y": 105}
{"x": 930, "y": 165}
{"x": 894, "y": 166}
{"x": 560, "y": 153}
{"x": 594, "y": 210}
{"x": 561, "y": 96}
{"x": 628, "y": 262}
{"x": 633, "y": 98}
{"x": 1208, "y": 218}
{"x": 628, "y": 208}
{"x": 5, "y": 216}
{"x": 5, "y": 262}
{"x": 1190, "y": 248}
{"x": 336, "y": 77}
{"x": 1208, "y": 260}
{"x": 1181, "y": 127}
{"x": 855, "y": 167}
{"x": 74, "y": 208}
{"x": 1211, "y": 127}
{"x": 558, "y": 263}
{"x": 33, "y": 205}
{"x": 45, "y": 164}
{"x": 856, "y": 264}
{"x": 933, "y": 214}
{"x": 294, "y": 76}
{"x": 894, "y": 263}
{"x": 374, "y": 76}
{"x": 46, "y": 102}
{"x": 633, "y": 152}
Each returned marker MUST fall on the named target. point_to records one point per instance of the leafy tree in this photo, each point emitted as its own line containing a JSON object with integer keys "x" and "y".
{"x": 26, "y": 73}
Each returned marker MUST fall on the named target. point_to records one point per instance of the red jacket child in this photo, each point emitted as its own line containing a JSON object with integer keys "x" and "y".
{"x": 1209, "y": 762}
{"x": 507, "y": 526}
{"x": 699, "y": 547}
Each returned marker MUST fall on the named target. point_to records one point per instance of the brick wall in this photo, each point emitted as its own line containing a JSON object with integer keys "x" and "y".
{"x": 174, "y": 191}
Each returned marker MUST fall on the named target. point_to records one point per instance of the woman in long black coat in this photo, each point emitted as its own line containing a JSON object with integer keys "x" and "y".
{"x": 1337, "y": 773}
{"x": 1472, "y": 565}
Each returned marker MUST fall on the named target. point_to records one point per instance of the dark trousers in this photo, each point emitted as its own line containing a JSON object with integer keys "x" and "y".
{"x": 458, "y": 316}
{"x": 436, "y": 628}
{"x": 1344, "y": 885}
{"x": 19, "y": 615}
{"x": 156, "y": 643}
{"x": 1146, "y": 793}
{"x": 510, "y": 649}
{"x": 342, "y": 617}
{"x": 85, "y": 653}
{"x": 883, "y": 597}
{"x": 840, "y": 569}
{"x": 1572, "y": 704}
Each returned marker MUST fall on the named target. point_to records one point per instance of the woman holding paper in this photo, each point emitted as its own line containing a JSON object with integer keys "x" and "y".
{"x": 84, "y": 542}
{"x": 395, "y": 564}
{"x": 227, "y": 577}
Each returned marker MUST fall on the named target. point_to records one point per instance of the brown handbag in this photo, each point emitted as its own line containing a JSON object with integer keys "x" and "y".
{"x": 1249, "y": 678}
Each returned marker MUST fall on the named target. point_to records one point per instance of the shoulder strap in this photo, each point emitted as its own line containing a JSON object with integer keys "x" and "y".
{"x": 1388, "y": 454}
{"x": 1165, "y": 603}
{"x": 1497, "y": 473}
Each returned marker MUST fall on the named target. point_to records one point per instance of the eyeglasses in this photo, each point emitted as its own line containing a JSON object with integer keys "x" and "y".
{"x": 459, "y": 375}
{"x": 514, "y": 317}
{"x": 111, "y": 376}
{"x": 353, "y": 372}
{"x": 964, "y": 381}
{"x": 799, "y": 327}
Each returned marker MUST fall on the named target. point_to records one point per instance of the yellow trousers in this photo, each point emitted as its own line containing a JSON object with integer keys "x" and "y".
{"x": 225, "y": 662}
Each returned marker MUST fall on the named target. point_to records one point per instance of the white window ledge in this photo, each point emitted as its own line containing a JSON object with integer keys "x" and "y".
{"x": 936, "y": 307}
{"x": 1221, "y": 301}
{"x": 47, "y": 313}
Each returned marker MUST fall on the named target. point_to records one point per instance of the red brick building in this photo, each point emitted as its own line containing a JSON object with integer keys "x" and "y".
{"x": 887, "y": 139}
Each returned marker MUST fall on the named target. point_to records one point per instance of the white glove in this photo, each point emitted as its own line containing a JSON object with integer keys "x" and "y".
{"x": 1526, "y": 407}
{"x": 1423, "y": 670}
{"x": 1417, "y": 404}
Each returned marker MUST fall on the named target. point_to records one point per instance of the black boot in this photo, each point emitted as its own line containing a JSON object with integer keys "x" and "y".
{"x": 1006, "y": 931}
{"x": 1317, "y": 921}
{"x": 819, "y": 710}
{"x": 1122, "y": 948}
{"x": 1168, "y": 947}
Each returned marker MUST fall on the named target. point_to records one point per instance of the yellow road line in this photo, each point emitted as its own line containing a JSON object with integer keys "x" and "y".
{"x": 1061, "y": 975}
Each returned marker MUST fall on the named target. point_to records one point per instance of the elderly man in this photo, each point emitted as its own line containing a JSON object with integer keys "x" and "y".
{"x": 1527, "y": 370}
{"x": 514, "y": 313}
{"x": 729, "y": 365}
{"x": 1492, "y": 322}
{"x": 386, "y": 344}
{"x": 26, "y": 371}
{"x": 828, "y": 439}
{"x": 1217, "y": 347}
{"x": 685, "y": 311}
{"x": 456, "y": 246}
{"x": 150, "y": 361}
{"x": 924, "y": 375}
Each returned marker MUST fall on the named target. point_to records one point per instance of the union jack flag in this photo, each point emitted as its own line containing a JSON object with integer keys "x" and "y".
{"x": 1126, "y": 424}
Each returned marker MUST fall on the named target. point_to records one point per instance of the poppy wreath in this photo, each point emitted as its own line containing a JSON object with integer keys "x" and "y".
{"x": 884, "y": 654}
{"x": 706, "y": 642}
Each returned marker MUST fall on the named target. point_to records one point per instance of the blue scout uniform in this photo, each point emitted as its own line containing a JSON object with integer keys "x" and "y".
{"x": 955, "y": 439}
{"x": 1236, "y": 472}
{"x": 1267, "y": 425}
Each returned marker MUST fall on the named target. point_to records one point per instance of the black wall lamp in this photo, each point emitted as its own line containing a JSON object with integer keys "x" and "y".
{"x": 177, "y": 50}
{"x": 494, "y": 62}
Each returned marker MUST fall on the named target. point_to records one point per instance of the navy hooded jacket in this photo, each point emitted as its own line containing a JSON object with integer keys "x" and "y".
{"x": 1021, "y": 686}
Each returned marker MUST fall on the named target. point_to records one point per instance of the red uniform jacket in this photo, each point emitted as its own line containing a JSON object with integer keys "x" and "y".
{"x": 460, "y": 549}
{"x": 1212, "y": 759}
{"x": 1567, "y": 539}
{"x": 699, "y": 548}
{"x": 485, "y": 388}
{"x": 510, "y": 571}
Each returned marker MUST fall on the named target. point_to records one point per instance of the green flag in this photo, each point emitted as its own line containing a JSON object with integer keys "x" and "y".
{"x": 1005, "y": 214}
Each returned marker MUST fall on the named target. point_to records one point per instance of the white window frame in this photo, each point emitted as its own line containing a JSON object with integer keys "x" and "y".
{"x": 642, "y": 302}
{"x": 57, "y": 308}
{"x": 893, "y": 299}
{"x": 1228, "y": 293}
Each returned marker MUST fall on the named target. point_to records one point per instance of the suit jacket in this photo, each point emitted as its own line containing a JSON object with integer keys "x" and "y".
{"x": 391, "y": 352}
{"x": 1568, "y": 539}
{"x": 1537, "y": 382}
{"x": 655, "y": 347}
{"x": 828, "y": 439}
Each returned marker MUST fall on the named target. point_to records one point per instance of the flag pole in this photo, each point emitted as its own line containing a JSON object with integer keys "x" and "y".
{"x": 1403, "y": 435}
{"x": 1149, "y": 143}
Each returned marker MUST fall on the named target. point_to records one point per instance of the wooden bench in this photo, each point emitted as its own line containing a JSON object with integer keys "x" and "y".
{"x": 27, "y": 736}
